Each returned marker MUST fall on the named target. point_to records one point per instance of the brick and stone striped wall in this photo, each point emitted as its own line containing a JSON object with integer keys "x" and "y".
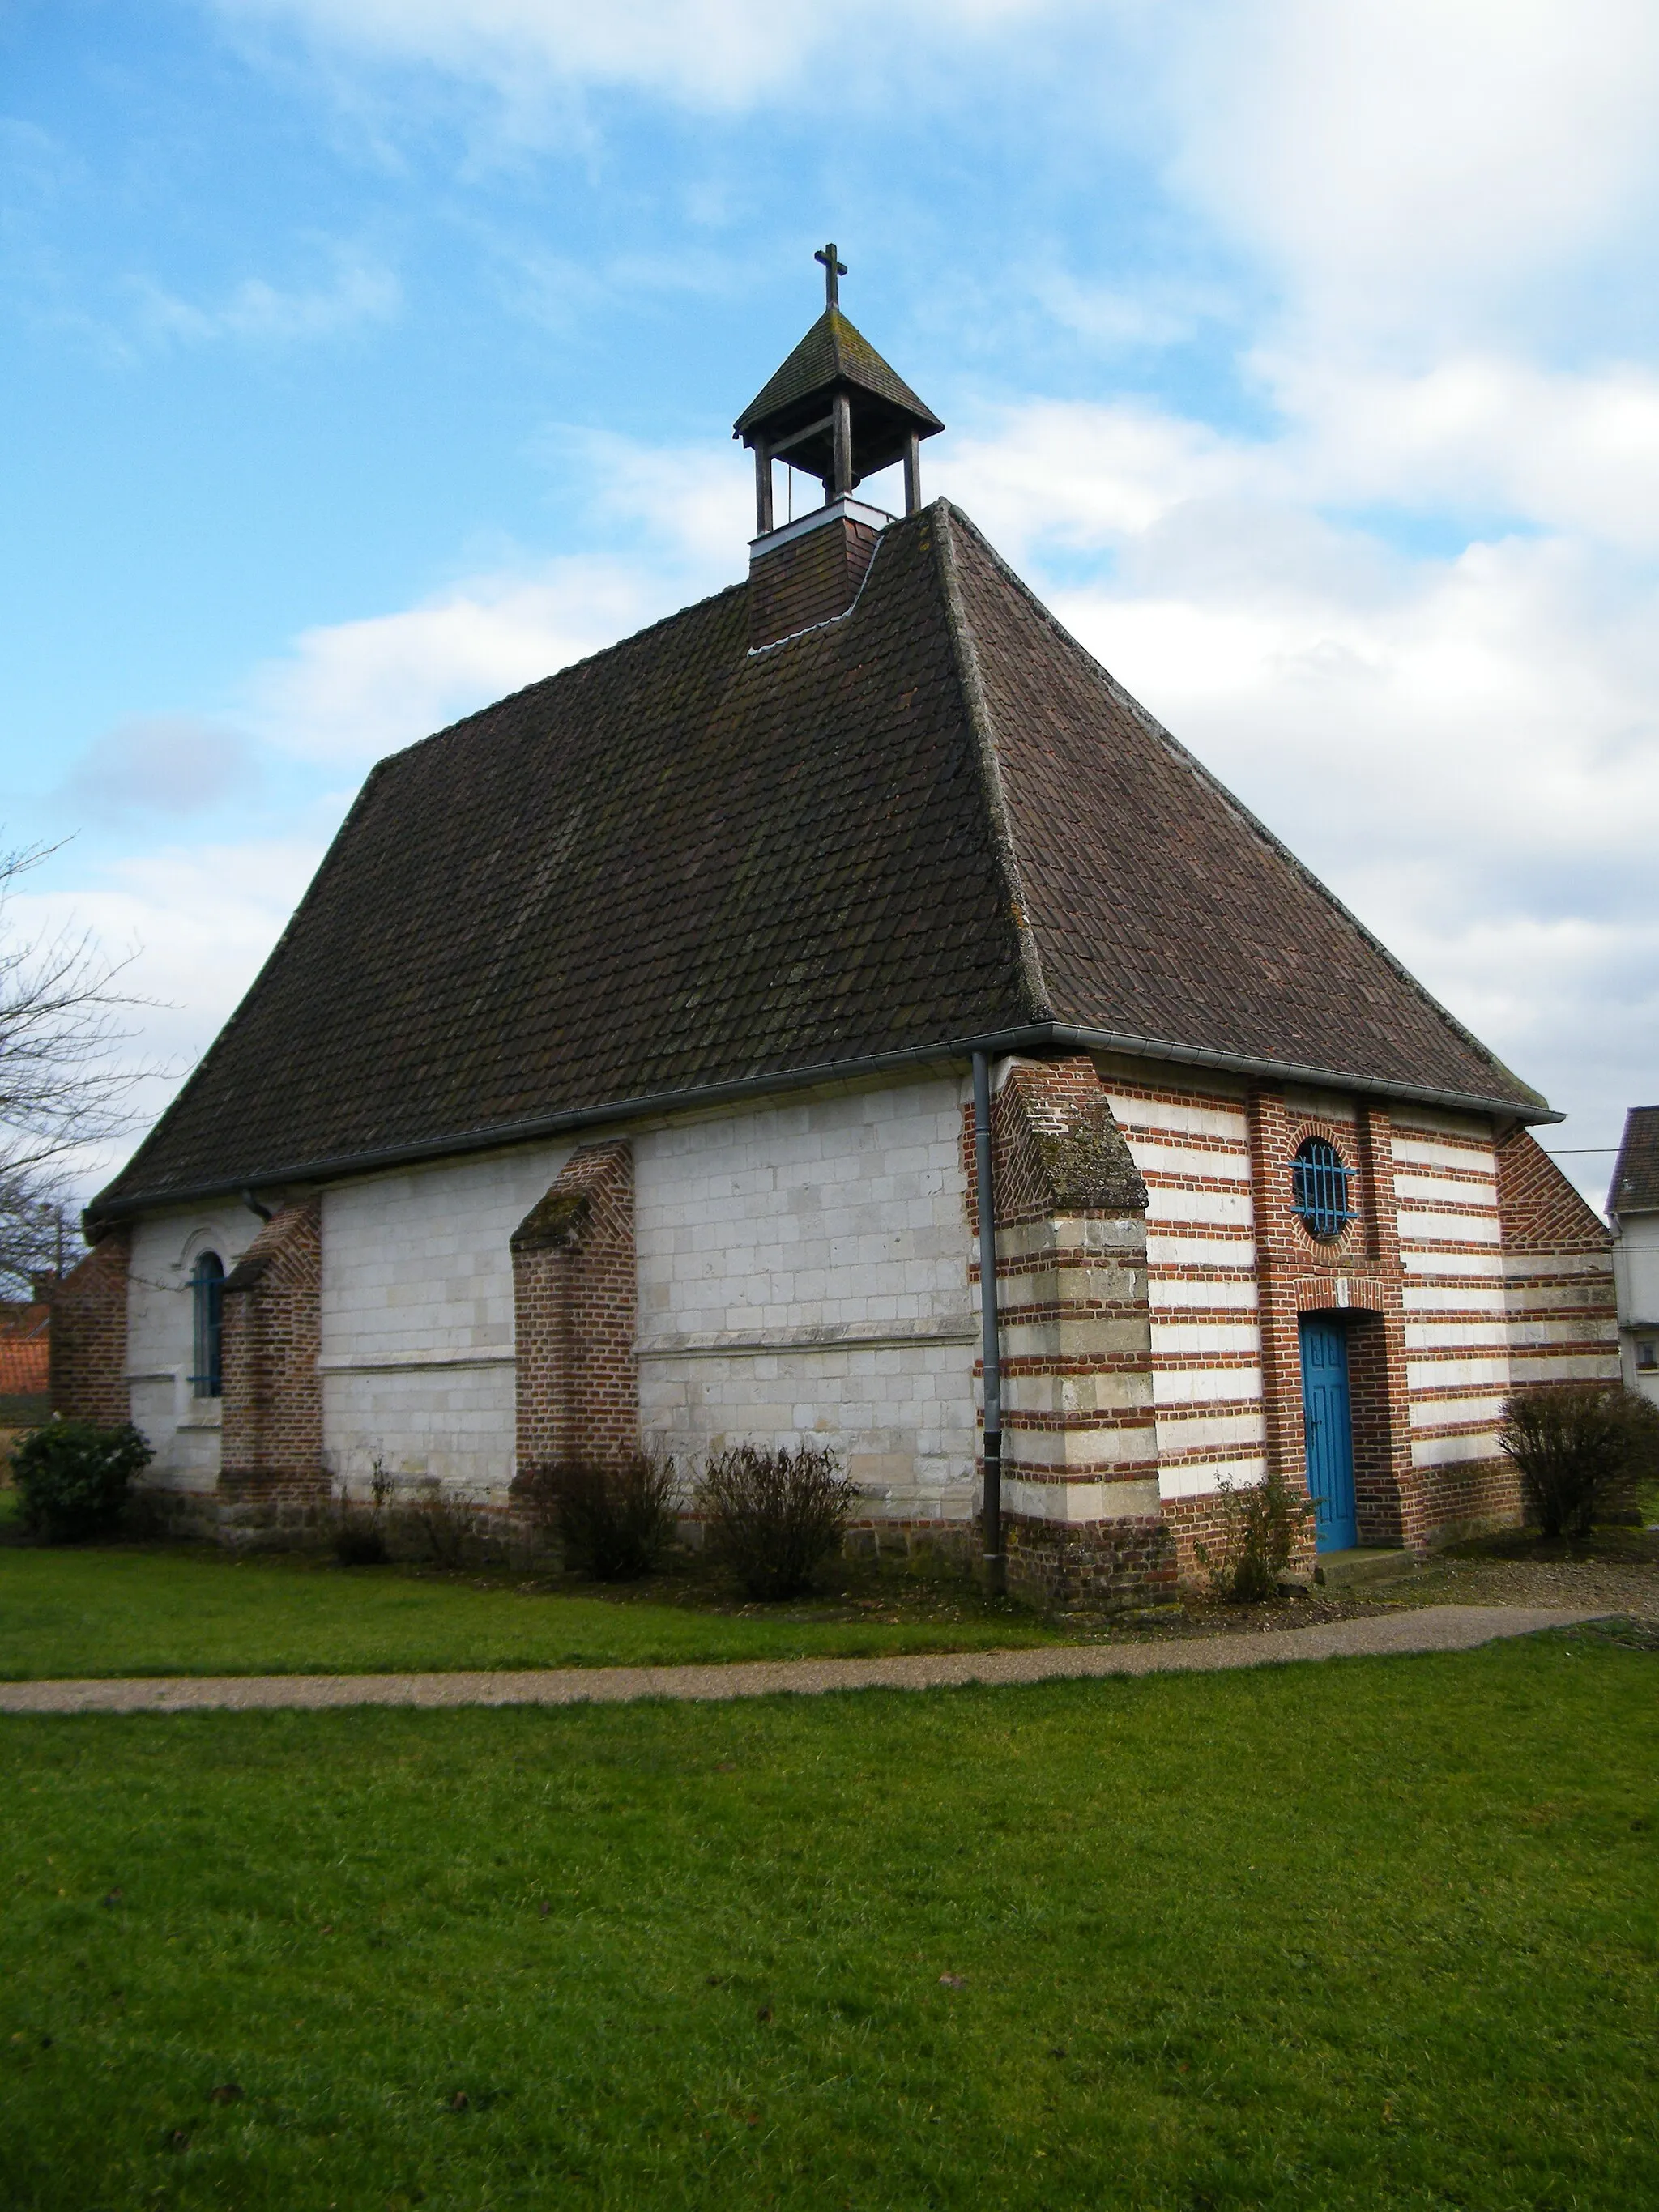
{"x": 1455, "y": 1296}
{"x": 1079, "y": 1438}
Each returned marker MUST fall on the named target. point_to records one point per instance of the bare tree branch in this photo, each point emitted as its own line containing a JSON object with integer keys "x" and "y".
{"x": 61, "y": 1083}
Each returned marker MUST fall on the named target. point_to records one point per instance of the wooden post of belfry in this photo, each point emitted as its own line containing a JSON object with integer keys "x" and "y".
{"x": 763, "y": 489}
{"x": 912, "y": 473}
{"x": 842, "y": 410}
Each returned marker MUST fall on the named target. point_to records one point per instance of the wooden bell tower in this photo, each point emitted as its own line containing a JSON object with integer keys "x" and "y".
{"x": 835, "y": 410}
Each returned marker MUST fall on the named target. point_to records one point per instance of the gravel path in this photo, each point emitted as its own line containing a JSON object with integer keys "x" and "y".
{"x": 1599, "y": 1585}
{"x": 1425, "y": 1628}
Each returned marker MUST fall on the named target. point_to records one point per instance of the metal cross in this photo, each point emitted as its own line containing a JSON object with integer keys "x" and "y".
{"x": 832, "y": 270}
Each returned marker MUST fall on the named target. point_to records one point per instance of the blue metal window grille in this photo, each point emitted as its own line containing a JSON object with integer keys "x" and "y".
{"x": 1319, "y": 1187}
{"x": 206, "y": 1287}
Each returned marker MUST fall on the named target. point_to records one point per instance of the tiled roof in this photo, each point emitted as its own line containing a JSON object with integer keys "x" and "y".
{"x": 678, "y": 866}
{"x": 832, "y": 351}
{"x": 1635, "y": 1186}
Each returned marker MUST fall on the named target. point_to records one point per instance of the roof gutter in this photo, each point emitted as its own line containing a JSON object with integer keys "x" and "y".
{"x": 1033, "y": 1038}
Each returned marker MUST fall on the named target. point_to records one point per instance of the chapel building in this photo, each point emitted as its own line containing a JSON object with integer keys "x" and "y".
{"x": 613, "y": 1086}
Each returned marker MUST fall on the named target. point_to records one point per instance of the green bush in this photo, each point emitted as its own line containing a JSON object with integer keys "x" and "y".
{"x": 1261, "y": 1529}
{"x": 72, "y": 1478}
{"x": 1574, "y": 1444}
{"x": 773, "y": 1515}
{"x": 614, "y": 1521}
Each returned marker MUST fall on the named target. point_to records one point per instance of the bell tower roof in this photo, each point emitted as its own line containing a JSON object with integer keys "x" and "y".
{"x": 835, "y": 355}
{"x": 835, "y": 410}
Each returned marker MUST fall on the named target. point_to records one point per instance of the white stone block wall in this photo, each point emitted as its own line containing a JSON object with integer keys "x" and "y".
{"x": 182, "y": 1430}
{"x": 803, "y": 1273}
{"x": 804, "y": 1276}
{"x": 417, "y": 1340}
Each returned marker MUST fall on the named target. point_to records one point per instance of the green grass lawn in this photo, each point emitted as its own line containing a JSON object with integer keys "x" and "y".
{"x": 1377, "y": 1933}
{"x": 167, "y": 1609}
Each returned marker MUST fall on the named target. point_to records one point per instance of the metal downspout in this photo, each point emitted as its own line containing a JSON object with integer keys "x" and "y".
{"x": 996, "y": 1564}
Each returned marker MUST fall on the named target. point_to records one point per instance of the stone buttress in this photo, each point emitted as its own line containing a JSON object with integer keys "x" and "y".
{"x": 575, "y": 1300}
{"x": 1080, "y": 1499}
{"x": 270, "y": 1445}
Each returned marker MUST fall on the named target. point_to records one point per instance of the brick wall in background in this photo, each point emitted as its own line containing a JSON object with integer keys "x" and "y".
{"x": 89, "y": 1363}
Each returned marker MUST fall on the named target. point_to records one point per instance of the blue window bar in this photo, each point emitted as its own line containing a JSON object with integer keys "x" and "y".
{"x": 1319, "y": 1189}
{"x": 207, "y": 1286}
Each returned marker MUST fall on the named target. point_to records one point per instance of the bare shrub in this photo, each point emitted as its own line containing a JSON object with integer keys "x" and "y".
{"x": 1572, "y": 1443}
{"x": 358, "y": 1529}
{"x": 773, "y": 1515}
{"x": 614, "y": 1521}
{"x": 441, "y": 1519}
{"x": 1261, "y": 1529}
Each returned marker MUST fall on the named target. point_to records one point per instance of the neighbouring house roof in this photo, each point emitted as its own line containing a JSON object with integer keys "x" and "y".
{"x": 1635, "y": 1185}
{"x": 24, "y": 1349}
{"x": 679, "y": 867}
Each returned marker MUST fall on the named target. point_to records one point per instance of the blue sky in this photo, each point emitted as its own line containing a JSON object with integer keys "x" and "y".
{"x": 368, "y": 358}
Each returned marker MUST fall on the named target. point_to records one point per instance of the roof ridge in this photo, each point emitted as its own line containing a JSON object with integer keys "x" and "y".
{"x": 1252, "y": 821}
{"x": 1004, "y": 852}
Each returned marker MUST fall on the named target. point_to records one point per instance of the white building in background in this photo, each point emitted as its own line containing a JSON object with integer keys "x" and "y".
{"x": 1634, "y": 1210}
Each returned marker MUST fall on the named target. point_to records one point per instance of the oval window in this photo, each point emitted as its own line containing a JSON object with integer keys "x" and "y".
{"x": 1319, "y": 1189}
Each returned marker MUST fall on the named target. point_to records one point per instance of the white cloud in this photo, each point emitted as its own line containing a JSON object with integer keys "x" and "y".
{"x": 357, "y": 292}
{"x": 353, "y": 691}
{"x": 1080, "y": 474}
{"x": 1578, "y": 452}
{"x": 1407, "y": 166}
{"x": 350, "y": 692}
{"x": 159, "y": 764}
{"x": 1477, "y": 434}
{"x": 710, "y": 53}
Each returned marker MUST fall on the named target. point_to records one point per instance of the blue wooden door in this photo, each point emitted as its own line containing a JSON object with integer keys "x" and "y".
{"x": 1328, "y": 1429}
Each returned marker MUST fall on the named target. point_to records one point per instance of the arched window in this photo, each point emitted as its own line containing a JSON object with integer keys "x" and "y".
{"x": 1319, "y": 1189}
{"x": 207, "y": 1288}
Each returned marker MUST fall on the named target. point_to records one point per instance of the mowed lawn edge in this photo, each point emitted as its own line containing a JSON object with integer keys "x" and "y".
{"x": 1381, "y": 1935}
{"x": 71, "y": 1612}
